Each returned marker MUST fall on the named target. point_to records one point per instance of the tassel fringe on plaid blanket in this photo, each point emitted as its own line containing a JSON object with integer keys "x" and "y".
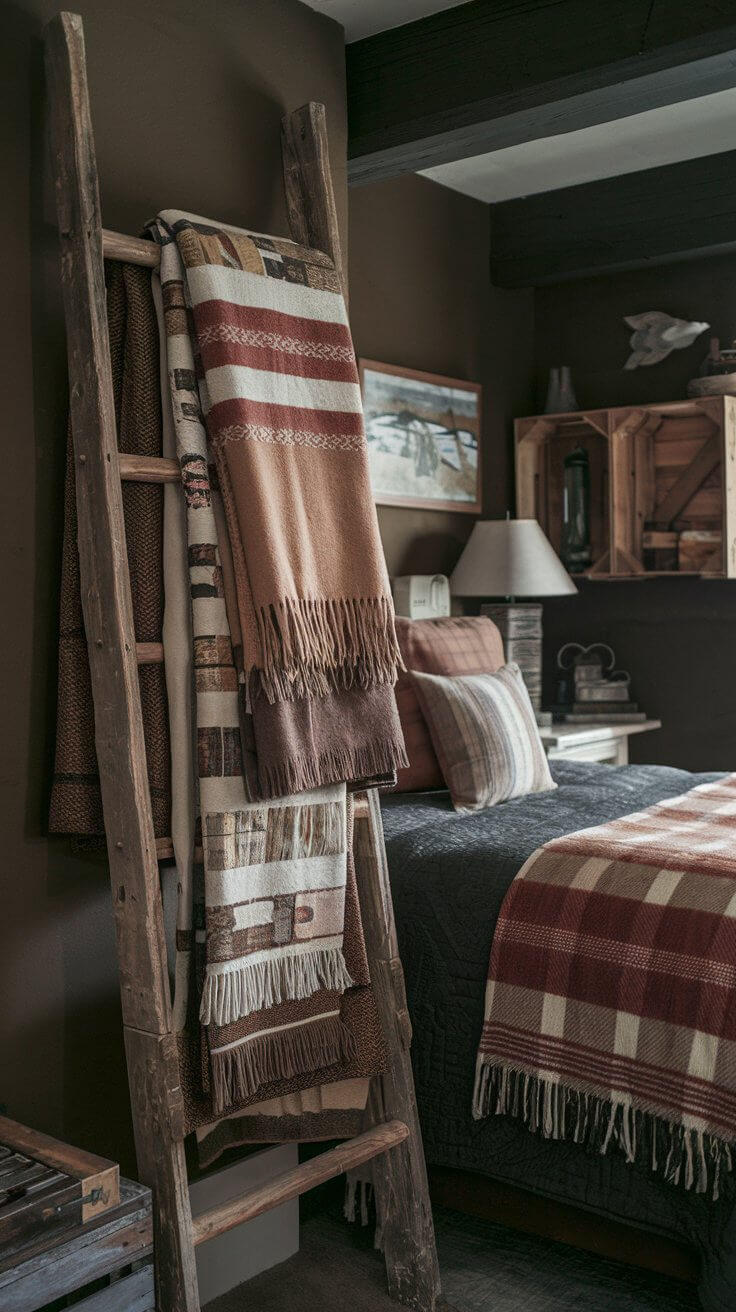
{"x": 610, "y": 1014}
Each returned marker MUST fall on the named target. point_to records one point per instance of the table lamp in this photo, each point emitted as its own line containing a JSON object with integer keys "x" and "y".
{"x": 513, "y": 558}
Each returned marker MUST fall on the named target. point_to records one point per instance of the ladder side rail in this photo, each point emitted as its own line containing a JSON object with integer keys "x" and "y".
{"x": 156, "y": 1099}
{"x": 399, "y": 1177}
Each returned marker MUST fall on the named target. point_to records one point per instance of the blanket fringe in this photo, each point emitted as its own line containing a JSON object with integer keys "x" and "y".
{"x": 229, "y": 996}
{"x": 681, "y": 1155}
{"x": 299, "y": 773}
{"x": 310, "y": 646}
{"x": 240, "y": 1071}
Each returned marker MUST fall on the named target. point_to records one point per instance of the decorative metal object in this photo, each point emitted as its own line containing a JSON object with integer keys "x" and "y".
{"x": 595, "y": 692}
{"x": 576, "y": 550}
{"x": 657, "y": 334}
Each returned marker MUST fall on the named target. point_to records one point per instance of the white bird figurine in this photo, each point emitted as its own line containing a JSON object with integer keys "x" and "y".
{"x": 656, "y": 334}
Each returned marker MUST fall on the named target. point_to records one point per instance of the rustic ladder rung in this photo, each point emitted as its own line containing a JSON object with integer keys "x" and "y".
{"x": 299, "y": 1180}
{"x": 131, "y": 250}
{"x": 149, "y": 653}
{"x": 148, "y": 469}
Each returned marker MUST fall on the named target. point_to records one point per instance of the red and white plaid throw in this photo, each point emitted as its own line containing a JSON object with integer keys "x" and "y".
{"x": 610, "y": 1013}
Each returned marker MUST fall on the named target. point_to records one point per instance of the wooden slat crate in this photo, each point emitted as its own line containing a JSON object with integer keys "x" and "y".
{"x": 673, "y": 466}
{"x": 105, "y": 1263}
{"x": 47, "y": 1188}
{"x": 653, "y": 468}
{"x": 542, "y": 443}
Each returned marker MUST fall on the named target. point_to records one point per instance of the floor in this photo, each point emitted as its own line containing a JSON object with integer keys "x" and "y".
{"x": 485, "y": 1268}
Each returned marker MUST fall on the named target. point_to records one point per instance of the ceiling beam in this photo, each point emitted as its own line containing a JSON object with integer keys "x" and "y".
{"x": 493, "y": 73}
{"x": 673, "y": 212}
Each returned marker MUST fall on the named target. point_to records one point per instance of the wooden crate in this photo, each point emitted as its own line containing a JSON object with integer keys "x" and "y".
{"x": 105, "y": 1265}
{"x": 672, "y": 466}
{"x": 669, "y": 465}
{"x": 48, "y": 1187}
{"x": 542, "y": 443}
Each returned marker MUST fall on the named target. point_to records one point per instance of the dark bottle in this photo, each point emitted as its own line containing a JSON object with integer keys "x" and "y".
{"x": 576, "y": 553}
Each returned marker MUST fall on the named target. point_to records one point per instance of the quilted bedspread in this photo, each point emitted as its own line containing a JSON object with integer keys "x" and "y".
{"x": 449, "y": 875}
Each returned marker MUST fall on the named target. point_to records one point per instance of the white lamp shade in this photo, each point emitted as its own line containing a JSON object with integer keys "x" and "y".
{"x": 509, "y": 558}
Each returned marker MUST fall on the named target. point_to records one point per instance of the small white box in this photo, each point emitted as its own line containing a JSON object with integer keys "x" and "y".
{"x": 422, "y": 596}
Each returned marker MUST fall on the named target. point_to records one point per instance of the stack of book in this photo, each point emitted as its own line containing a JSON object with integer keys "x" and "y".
{"x": 599, "y": 700}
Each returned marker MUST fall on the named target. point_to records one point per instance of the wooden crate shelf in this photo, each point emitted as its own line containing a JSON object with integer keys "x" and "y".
{"x": 671, "y": 465}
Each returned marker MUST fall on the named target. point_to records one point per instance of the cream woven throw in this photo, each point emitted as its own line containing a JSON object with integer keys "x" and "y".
{"x": 274, "y": 873}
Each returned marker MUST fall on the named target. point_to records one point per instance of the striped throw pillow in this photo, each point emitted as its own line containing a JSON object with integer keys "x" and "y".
{"x": 485, "y": 736}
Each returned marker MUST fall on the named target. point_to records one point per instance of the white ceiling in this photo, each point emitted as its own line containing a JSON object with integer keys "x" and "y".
{"x": 659, "y": 136}
{"x": 364, "y": 17}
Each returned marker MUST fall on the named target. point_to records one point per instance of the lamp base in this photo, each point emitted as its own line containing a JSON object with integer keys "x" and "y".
{"x": 520, "y": 626}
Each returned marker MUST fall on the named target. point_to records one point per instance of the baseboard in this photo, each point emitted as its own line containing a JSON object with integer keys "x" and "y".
{"x": 241, "y": 1253}
{"x": 477, "y": 1195}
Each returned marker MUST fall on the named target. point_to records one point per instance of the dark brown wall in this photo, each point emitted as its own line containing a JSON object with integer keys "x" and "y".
{"x": 186, "y": 101}
{"x": 420, "y": 296}
{"x": 677, "y": 636}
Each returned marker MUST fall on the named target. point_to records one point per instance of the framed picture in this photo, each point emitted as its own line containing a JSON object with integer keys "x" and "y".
{"x": 423, "y": 434}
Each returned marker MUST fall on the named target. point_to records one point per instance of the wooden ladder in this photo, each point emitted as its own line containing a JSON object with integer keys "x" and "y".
{"x": 158, "y": 1112}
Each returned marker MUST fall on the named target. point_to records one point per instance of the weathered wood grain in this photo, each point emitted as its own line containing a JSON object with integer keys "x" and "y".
{"x": 131, "y": 250}
{"x": 310, "y": 198}
{"x": 290, "y": 1184}
{"x": 122, "y": 1236}
{"x": 99, "y": 1178}
{"x": 135, "y": 1292}
{"x": 108, "y": 619}
{"x": 148, "y": 469}
{"x": 400, "y": 1177}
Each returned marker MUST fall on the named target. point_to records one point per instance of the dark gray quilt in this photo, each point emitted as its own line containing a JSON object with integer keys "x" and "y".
{"x": 449, "y": 874}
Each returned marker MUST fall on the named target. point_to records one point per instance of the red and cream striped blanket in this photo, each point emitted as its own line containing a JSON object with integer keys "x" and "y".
{"x": 610, "y": 1015}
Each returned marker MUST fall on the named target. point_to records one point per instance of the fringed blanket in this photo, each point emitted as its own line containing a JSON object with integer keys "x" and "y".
{"x": 274, "y": 872}
{"x": 611, "y": 1001}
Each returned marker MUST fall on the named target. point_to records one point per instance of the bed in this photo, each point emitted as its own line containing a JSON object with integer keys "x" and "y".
{"x": 449, "y": 874}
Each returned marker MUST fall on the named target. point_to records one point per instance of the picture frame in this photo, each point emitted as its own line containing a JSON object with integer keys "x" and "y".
{"x": 424, "y": 438}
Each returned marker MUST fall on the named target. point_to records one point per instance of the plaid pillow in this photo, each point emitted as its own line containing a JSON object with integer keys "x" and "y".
{"x": 485, "y": 735}
{"x": 455, "y": 644}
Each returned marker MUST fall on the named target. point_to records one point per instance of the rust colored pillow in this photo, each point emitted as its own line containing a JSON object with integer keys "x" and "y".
{"x": 457, "y": 644}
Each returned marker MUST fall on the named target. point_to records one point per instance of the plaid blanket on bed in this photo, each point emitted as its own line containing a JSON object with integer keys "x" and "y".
{"x": 610, "y": 1013}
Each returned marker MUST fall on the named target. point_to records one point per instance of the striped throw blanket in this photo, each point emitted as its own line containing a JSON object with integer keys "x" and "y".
{"x": 315, "y": 616}
{"x": 610, "y": 1012}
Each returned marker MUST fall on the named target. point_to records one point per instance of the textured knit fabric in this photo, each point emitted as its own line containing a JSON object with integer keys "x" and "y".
{"x": 76, "y": 804}
{"x": 273, "y": 877}
{"x": 485, "y": 735}
{"x": 611, "y": 1002}
{"x": 295, "y": 1113}
{"x": 451, "y": 645}
{"x": 270, "y": 892}
{"x": 363, "y": 1055}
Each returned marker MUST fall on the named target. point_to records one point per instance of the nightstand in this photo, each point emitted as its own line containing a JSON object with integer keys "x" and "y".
{"x": 607, "y": 743}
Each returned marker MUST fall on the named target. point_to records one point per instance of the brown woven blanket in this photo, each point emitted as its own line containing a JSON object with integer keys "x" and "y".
{"x": 284, "y": 419}
{"x": 274, "y": 872}
{"x": 362, "y": 1053}
{"x": 76, "y": 805}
